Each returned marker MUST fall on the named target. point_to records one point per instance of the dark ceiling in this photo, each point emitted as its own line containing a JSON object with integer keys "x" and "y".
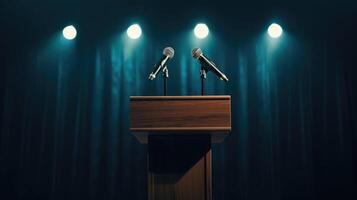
{"x": 30, "y": 21}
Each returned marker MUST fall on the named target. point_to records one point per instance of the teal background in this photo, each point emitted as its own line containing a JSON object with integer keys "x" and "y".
{"x": 64, "y": 104}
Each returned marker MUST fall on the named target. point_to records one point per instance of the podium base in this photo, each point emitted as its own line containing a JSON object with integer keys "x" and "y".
{"x": 179, "y": 167}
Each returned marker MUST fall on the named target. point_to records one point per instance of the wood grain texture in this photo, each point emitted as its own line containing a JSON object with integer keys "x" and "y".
{"x": 155, "y": 98}
{"x": 193, "y": 114}
{"x": 179, "y": 168}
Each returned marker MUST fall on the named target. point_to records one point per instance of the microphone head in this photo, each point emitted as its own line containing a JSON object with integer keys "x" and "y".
{"x": 169, "y": 51}
{"x": 196, "y": 53}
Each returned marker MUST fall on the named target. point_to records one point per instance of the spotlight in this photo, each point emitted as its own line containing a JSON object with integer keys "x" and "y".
{"x": 134, "y": 31}
{"x": 201, "y": 31}
{"x": 69, "y": 32}
{"x": 275, "y": 30}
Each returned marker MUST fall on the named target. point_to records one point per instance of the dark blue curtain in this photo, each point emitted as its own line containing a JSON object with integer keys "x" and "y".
{"x": 65, "y": 117}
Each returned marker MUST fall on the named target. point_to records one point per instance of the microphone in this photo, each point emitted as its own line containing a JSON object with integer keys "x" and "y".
{"x": 168, "y": 54}
{"x": 197, "y": 53}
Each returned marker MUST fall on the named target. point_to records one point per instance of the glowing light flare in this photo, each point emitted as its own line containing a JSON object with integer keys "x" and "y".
{"x": 69, "y": 32}
{"x": 275, "y": 30}
{"x": 201, "y": 31}
{"x": 134, "y": 31}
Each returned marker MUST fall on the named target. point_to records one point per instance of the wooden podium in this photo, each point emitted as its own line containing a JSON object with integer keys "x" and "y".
{"x": 179, "y": 131}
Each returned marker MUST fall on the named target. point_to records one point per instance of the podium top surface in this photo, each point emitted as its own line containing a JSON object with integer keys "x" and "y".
{"x": 213, "y": 97}
{"x": 180, "y": 115}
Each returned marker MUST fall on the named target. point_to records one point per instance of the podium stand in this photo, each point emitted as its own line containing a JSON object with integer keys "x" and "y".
{"x": 179, "y": 131}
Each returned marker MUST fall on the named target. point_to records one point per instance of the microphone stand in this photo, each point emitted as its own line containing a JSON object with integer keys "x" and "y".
{"x": 165, "y": 76}
{"x": 203, "y": 74}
